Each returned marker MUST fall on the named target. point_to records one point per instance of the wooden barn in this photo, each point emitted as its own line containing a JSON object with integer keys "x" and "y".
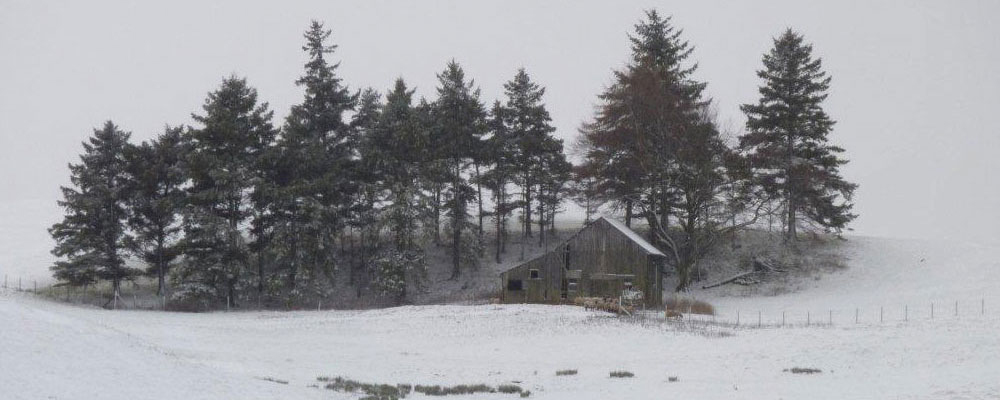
{"x": 604, "y": 259}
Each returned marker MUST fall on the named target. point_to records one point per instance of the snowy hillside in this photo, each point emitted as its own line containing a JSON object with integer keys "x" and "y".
{"x": 50, "y": 350}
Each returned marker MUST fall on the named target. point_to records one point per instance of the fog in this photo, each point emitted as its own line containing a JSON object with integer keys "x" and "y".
{"x": 915, "y": 89}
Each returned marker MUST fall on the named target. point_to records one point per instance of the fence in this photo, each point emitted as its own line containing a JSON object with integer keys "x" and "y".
{"x": 751, "y": 318}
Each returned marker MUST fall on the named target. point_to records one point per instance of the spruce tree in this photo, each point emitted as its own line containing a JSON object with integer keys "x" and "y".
{"x": 157, "y": 174}
{"x": 318, "y": 149}
{"x": 501, "y": 150}
{"x": 787, "y": 143}
{"x": 92, "y": 238}
{"x": 226, "y": 151}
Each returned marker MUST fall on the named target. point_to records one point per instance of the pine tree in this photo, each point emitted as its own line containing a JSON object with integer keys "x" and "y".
{"x": 787, "y": 141}
{"x": 369, "y": 176}
{"x": 531, "y": 130}
{"x": 501, "y": 150}
{"x": 93, "y": 237}
{"x": 459, "y": 126}
{"x": 235, "y": 133}
{"x": 157, "y": 174}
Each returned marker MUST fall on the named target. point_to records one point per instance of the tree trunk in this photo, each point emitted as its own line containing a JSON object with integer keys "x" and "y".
{"x": 628, "y": 213}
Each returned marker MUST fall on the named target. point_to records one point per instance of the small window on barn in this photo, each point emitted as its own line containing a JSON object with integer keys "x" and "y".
{"x": 628, "y": 283}
{"x": 514, "y": 284}
{"x": 533, "y": 274}
{"x": 571, "y": 284}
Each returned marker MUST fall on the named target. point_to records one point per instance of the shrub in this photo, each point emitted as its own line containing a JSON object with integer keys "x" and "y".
{"x": 672, "y": 379}
{"x": 565, "y": 372}
{"x": 621, "y": 374}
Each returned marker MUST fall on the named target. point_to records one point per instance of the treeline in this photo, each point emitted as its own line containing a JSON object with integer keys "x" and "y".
{"x": 354, "y": 186}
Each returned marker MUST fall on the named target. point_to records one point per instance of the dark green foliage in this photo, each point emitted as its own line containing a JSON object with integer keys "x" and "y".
{"x": 315, "y": 187}
{"x": 565, "y": 372}
{"x": 157, "y": 175}
{"x": 786, "y": 144}
{"x": 92, "y": 238}
{"x": 225, "y": 169}
{"x": 372, "y": 391}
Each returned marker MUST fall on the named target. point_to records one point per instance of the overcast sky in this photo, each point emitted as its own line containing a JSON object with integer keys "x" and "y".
{"x": 915, "y": 92}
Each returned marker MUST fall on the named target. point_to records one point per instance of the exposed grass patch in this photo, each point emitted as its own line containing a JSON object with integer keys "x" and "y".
{"x": 565, "y": 372}
{"x": 621, "y": 374}
{"x": 275, "y": 380}
{"x": 381, "y": 391}
{"x": 437, "y": 390}
{"x": 372, "y": 391}
{"x": 808, "y": 371}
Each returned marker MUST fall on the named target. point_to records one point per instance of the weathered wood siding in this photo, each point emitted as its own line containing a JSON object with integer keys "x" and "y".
{"x": 604, "y": 256}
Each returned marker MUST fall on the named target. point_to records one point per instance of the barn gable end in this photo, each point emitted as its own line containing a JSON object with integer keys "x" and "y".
{"x": 601, "y": 260}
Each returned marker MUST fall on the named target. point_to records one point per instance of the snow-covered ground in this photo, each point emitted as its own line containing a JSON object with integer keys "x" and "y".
{"x": 50, "y": 350}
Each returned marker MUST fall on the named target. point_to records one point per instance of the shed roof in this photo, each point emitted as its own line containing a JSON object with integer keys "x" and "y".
{"x": 635, "y": 237}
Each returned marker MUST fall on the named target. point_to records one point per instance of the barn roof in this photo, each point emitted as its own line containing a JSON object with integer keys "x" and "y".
{"x": 635, "y": 237}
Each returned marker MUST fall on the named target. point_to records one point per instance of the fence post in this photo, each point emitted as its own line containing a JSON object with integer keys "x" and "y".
{"x": 4, "y": 281}
{"x": 982, "y": 306}
{"x": 906, "y": 312}
{"x": 808, "y": 318}
{"x": 35, "y": 286}
{"x": 856, "y": 312}
{"x": 881, "y": 313}
{"x": 956, "y": 308}
{"x": 831, "y": 318}
{"x": 19, "y": 287}
{"x": 737, "y": 317}
{"x": 932, "y": 310}
{"x": 758, "y": 319}
{"x": 227, "y": 303}
{"x": 782, "y": 319}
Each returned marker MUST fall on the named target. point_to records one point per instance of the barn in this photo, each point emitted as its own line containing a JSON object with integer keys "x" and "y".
{"x": 604, "y": 259}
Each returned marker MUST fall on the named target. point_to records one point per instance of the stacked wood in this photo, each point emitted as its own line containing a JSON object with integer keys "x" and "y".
{"x": 760, "y": 267}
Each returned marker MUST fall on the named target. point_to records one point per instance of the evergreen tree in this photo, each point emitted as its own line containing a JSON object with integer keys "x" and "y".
{"x": 618, "y": 142}
{"x": 501, "y": 150}
{"x": 226, "y": 150}
{"x": 370, "y": 179}
{"x": 459, "y": 126}
{"x": 92, "y": 238}
{"x": 787, "y": 143}
{"x": 531, "y": 130}
{"x": 157, "y": 175}
{"x": 318, "y": 149}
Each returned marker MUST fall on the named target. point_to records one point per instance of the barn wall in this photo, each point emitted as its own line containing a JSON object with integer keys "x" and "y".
{"x": 597, "y": 251}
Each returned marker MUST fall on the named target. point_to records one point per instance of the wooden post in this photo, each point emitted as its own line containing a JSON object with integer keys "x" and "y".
{"x": 808, "y": 318}
{"x": 782, "y": 318}
{"x": 881, "y": 312}
{"x": 856, "y": 312}
{"x": 932, "y": 310}
{"x": 906, "y": 312}
{"x": 737, "y": 317}
{"x": 830, "y": 321}
{"x": 758, "y": 319}
{"x": 956, "y": 306}
{"x": 19, "y": 287}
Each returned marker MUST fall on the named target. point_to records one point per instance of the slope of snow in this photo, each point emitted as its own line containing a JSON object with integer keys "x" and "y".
{"x": 50, "y": 350}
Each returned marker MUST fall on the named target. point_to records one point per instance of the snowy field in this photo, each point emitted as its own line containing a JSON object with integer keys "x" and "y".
{"x": 55, "y": 351}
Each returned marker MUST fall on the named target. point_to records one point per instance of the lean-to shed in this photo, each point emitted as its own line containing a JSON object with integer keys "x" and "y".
{"x": 604, "y": 259}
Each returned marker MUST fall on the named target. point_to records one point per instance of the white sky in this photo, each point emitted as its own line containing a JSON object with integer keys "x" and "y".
{"x": 915, "y": 84}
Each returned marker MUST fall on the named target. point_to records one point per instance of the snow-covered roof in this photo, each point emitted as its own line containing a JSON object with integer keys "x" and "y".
{"x": 635, "y": 237}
